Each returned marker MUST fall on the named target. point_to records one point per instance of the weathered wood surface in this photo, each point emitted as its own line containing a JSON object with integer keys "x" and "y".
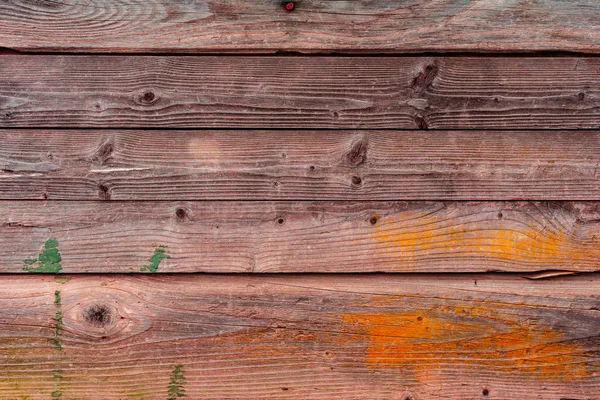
{"x": 351, "y": 337}
{"x": 299, "y": 236}
{"x": 312, "y": 26}
{"x": 299, "y": 92}
{"x": 298, "y": 165}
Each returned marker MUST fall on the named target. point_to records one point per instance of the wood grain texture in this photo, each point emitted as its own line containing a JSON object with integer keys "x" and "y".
{"x": 379, "y": 26}
{"x": 299, "y": 236}
{"x": 298, "y": 165}
{"x": 299, "y": 92}
{"x": 318, "y": 337}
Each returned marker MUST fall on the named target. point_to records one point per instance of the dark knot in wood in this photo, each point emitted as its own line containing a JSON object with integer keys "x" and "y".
{"x": 97, "y": 315}
{"x": 425, "y": 78}
{"x": 421, "y": 122}
{"x": 147, "y": 98}
{"x": 104, "y": 153}
{"x": 104, "y": 192}
{"x": 357, "y": 154}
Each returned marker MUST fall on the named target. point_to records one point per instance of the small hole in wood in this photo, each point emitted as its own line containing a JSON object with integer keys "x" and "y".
{"x": 356, "y": 180}
{"x": 280, "y": 221}
{"x": 373, "y": 220}
{"x": 485, "y": 392}
{"x": 500, "y": 215}
{"x": 312, "y": 167}
{"x": 581, "y": 96}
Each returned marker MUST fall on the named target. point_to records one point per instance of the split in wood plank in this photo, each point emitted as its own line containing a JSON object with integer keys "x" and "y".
{"x": 268, "y": 26}
{"x": 317, "y": 337}
{"x": 298, "y": 165}
{"x": 298, "y": 236}
{"x": 300, "y": 92}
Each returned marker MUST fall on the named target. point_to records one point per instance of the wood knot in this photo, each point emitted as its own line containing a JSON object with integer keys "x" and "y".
{"x": 357, "y": 154}
{"x": 98, "y": 316}
{"x": 421, "y": 122}
{"x": 104, "y": 192}
{"x": 181, "y": 214}
{"x": 425, "y": 78}
{"x": 104, "y": 153}
{"x": 147, "y": 98}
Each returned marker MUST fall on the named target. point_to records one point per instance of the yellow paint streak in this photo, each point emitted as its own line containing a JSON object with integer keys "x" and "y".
{"x": 464, "y": 338}
{"x": 411, "y": 239}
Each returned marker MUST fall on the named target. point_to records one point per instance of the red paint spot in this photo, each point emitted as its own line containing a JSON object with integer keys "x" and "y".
{"x": 289, "y": 6}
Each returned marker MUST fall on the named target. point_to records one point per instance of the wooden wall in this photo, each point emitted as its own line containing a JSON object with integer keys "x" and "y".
{"x": 219, "y": 199}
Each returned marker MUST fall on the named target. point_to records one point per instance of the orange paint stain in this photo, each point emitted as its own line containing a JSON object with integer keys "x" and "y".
{"x": 411, "y": 239}
{"x": 464, "y": 338}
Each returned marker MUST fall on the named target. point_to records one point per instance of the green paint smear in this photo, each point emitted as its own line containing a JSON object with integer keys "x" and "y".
{"x": 57, "y": 373}
{"x": 57, "y": 322}
{"x": 47, "y": 262}
{"x": 175, "y": 388}
{"x": 157, "y": 257}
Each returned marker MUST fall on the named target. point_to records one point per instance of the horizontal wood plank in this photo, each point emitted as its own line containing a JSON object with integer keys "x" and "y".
{"x": 376, "y": 26}
{"x": 299, "y": 236}
{"x": 309, "y": 337}
{"x": 299, "y": 92}
{"x": 298, "y": 165}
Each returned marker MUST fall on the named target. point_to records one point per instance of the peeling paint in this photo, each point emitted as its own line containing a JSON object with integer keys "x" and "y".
{"x": 422, "y": 342}
{"x": 410, "y": 241}
{"x": 48, "y": 260}
{"x": 157, "y": 257}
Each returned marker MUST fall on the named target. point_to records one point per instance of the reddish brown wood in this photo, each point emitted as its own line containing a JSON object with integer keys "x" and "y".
{"x": 309, "y": 337}
{"x": 301, "y": 236}
{"x": 298, "y": 165}
{"x": 300, "y": 92}
{"x": 267, "y": 26}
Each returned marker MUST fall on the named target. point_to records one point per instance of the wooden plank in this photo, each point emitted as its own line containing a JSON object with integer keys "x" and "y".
{"x": 298, "y": 165}
{"x": 309, "y": 337}
{"x": 299, "y": 92}
{"x": 377, "y": 26}
{"x": 299, "y": 236}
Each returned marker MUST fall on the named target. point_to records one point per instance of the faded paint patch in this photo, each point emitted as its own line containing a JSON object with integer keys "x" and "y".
{"x": 175, "y": 389}
{"x": 464, "y": 338}
{"x": 410, "y": 240}
{"x": 48, "y": 260}
{"x": 159, "y": 255}
{"x": 61, "y": 279}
